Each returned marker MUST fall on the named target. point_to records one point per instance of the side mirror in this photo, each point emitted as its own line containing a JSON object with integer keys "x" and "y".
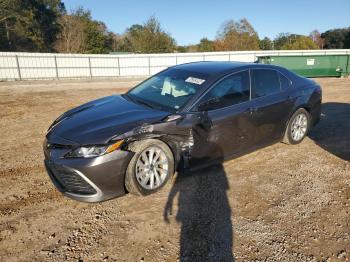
{"x": 209, "y": 104}
{"x": 202, "y": 106}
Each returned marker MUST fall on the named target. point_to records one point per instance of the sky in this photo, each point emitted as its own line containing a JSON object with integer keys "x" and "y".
{"x": 189, "y": 21}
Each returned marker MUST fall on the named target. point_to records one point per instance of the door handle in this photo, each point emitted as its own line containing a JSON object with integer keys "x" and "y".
{"x": 251, "y": 110}
{"x": 291, "y": 98}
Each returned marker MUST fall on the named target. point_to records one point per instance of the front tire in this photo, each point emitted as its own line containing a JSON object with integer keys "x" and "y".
{"x": 150, "y": 168}
{"x": 298, "y": 127}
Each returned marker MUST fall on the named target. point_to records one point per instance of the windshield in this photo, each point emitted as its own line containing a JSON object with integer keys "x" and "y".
{"x": 169, "y": 90}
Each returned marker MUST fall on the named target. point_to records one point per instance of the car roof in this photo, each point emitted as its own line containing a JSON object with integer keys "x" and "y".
{"x": 214, "y": 68}
{"x": 210, "y": 67}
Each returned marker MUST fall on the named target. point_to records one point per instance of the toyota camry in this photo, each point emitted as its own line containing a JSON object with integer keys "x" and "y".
{"x": 186, "y": 117}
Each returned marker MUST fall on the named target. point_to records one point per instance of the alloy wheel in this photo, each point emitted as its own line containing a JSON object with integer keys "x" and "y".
{"x": 151, "y": 168}
{"x": 299, "y": 127}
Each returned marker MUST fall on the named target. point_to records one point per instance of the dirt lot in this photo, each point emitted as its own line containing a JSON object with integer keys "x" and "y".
{"x": 281, "y": 203}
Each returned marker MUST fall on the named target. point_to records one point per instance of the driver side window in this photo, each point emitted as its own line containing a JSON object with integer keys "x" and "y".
{"x": 232, "y": 90}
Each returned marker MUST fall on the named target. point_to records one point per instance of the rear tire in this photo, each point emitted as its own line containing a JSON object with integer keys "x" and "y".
{"x": 150, "y": 168}
{"x": 298, "y": 127}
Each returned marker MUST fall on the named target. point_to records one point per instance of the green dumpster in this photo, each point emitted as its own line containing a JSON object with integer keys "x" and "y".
{"x": 312, "y": 65}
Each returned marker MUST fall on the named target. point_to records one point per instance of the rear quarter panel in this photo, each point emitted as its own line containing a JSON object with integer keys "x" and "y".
{"x": 309, "y": 96}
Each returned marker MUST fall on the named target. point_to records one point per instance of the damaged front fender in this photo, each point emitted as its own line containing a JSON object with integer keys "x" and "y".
{"x": 177, "y": 131}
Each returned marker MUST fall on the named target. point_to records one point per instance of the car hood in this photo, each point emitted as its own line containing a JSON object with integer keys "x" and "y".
{"x": 100, "y": 120}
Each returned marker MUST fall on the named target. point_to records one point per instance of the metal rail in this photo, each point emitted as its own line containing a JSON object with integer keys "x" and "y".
{"x": 22, "y": 66}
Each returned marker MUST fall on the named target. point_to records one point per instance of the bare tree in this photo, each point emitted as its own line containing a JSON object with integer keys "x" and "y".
{"x": 9, "y": 10}
{"x": 317, "y": 39}
{"x": 72, "y": 36}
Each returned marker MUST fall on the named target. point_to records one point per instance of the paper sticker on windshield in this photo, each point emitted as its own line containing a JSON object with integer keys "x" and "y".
{"x": 195, "y": 80}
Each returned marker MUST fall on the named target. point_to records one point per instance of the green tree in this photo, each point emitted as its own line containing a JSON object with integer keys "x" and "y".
{"x": 286, "y": 41}
{"x": 337, "y": 38}
{"x": 206, "y": 45}
{"x": 282, "y": 39}
{"x": 192, "y": 48}
{"x": 96, "y": 38}
{"x": 181, "y": 49}
{"x": 81, "y": 34}
{"x": 149, "y": 38}
{"x": 266, "y": 44}
{"x": 29, "y": 25}
{"x": 116, "y": 43}
{"x": 237, "y": 36}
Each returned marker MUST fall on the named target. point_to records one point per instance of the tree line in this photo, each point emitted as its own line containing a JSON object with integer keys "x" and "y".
{"x": 46, "y": 26}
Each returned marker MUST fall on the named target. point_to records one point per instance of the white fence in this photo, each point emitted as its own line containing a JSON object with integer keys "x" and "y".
{"x": 27, "y": 66}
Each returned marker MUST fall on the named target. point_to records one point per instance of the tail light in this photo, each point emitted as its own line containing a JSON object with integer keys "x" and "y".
{"x": 318, "y": 90}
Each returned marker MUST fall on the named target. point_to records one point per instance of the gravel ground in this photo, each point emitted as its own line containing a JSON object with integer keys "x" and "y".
{"x": 281, "y": 203}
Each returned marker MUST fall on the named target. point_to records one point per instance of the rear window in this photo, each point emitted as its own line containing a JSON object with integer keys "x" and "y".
{"x": 285, "y": 83}
{"x": 265, "y": 82}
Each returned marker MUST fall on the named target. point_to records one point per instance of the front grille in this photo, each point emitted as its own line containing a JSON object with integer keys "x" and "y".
{"x": 70, "y": 181}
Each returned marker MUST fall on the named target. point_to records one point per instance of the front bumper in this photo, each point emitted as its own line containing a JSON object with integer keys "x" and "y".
{"x": 88, "y": 179}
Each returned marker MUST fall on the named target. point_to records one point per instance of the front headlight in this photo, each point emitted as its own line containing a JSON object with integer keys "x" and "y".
{"x": 93, "y": 151}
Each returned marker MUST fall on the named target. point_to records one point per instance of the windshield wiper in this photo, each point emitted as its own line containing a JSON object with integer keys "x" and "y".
{"x": 139, "y": 101}
{"x": 143, "y": 102}
{"x": 152, "y": 105}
